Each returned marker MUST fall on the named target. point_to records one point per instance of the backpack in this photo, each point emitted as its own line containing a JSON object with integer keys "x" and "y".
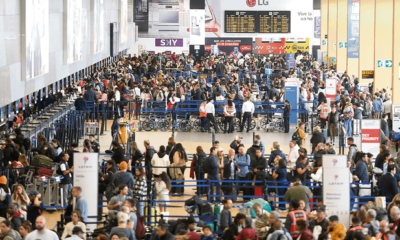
{"x": 206, "y": 166}
{"x": 27, "y": 144}
{"x": 296, "y": 137}
{"x": 140, "y": 230}
{"x": 187, "y": 68}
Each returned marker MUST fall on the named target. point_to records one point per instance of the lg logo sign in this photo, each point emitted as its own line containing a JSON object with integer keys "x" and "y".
{"x": 252, "y": 3}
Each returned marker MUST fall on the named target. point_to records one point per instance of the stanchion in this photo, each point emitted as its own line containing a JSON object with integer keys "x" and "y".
{"x": 254, "y": 135}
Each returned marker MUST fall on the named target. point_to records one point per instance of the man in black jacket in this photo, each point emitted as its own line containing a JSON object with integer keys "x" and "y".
{"x": 252, "y": 151}
{"x": 388, "y": 183}
{"x": 385, "y": 126}
{"x": 258, "y": 165}
{"x": 163, "y": 233}
{"x": 74, "y": 149}
{"x": 80, "y": 103}
{"x": 148, "y": 155}
{"x": 118, "y": 152}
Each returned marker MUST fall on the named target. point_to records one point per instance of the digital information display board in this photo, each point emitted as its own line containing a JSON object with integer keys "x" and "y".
{"x": 240, "y": 22}
{"x": 257, "y": 21}
{"x": 274, "y": 21}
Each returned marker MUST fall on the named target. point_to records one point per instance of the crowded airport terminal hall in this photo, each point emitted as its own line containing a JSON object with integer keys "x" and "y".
{"x": 199, "y": 119}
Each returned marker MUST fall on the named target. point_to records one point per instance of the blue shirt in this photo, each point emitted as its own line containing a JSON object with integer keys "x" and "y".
{"x": 213, "y": 164}
{"x": 243, "y": 163}
{"x": 282, "y": 172}
{"x": 81, "y": 205}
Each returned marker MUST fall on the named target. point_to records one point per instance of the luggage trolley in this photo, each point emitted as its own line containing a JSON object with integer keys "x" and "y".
{"x": 92, "y": 128}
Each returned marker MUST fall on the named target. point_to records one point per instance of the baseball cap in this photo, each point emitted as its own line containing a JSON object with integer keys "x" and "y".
{"x": 33, "y": 193}
{"x": 321, "y": 208}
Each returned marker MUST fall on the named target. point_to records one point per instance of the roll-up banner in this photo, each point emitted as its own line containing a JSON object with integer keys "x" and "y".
{"x": 86, "y": 176}
{"x": 336, "y": 179}
{"x": 353, "y": 28}
{"x": 330, "y": 88}
{"x": 292, "y": 95}
{"x": 371, "y": 136}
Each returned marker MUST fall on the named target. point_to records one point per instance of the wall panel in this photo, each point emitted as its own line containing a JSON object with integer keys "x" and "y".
{"x": 341, "y": 35}
{"x": 383, "y": 42}
{"x": 367, "y": 37}
{"x": 13, "y": 87}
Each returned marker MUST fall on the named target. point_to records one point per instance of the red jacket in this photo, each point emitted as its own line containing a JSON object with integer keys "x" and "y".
{"x": 247, "y": 234}
{"x": 306, "y": 235}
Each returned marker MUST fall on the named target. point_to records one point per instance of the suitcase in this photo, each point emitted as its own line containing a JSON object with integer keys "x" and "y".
{"x": 205, "y": 209}
{"x": 44, "y": 172}
{"x": 152, "y": 216}
{"x": 356, "y": 127}
{"x": 42, "y": 161}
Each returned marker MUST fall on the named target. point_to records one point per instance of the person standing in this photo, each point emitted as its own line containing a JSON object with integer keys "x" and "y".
{"x": 210, "y": 110}
{"x": 247, "y": 112}
{"x": 286, "y": 115}
{"x": 80, "y": 202}
{"x": 213, "y": 175}
{"x": 203, "y": 115}
{"x": 229, "y": 113}
{"x": 333, "y": 120}
{"x": 66, "y": 182}
{"x": 388, "y": 183}
{"x": 41, "y": 232}
{"x": 324, "y": 112}
{"x": 385, "y": 126}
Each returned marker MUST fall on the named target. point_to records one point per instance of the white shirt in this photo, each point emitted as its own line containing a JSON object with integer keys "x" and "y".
{"x": 48, "y": 235}
{"x": 387, "y": 106}
{"x": 117, "y": 96}
{"x": 293, "y": 155}
{"x": 248, "y": 107}
{"x": 70, "y": 226}
{"x": 234, "y": 110}
{"x": 210, "y": 108}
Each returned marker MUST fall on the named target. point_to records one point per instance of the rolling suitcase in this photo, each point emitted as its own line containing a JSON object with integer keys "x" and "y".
{"x": 42, "y": 161}
{"x": 356, "y": 127}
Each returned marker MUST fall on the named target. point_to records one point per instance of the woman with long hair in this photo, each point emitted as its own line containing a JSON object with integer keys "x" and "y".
{"x": 171, "y": 144}
{"x": 56, "y": 145}
{"x": 163, "y": 186}
{"x": 140, "y": 189}
{"x": 19, "y": 196}
{"x": 87, "y": 147}
{"x": 180, "y": 159}
{"x": 234, "y": 228}
{"x": 198, "y": 159}
{"x": 77, "y": 221}
{"x": 137, "y": 155}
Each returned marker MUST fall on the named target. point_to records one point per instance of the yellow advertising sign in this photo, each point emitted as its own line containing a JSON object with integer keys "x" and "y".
{"x": 292, "y": 45}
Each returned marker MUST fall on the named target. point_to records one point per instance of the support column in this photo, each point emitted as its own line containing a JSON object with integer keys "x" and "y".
{"x": 367, "y": 38}
{"x": 396, "y": 50}
{"x": 341, "y": 33}
{"x": 332, "y": 19}
{"x": 383, "y": 43}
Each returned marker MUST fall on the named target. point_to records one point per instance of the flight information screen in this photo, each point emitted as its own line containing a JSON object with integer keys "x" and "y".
{"x": 257, "y": 21}
{"x": 274, "y": 21}
{"x": 240, "y": 22}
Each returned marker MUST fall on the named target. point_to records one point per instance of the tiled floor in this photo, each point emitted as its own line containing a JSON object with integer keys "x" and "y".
{"x": 191, "y": 140}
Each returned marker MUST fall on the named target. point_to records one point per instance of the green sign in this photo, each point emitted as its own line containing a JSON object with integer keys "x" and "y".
{"x": 323, "y": 42}
{"x": 342, "y": 44}
{"x": 384, "y": 63}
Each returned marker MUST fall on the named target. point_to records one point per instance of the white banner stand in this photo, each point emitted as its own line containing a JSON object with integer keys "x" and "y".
{"x": 86, "y": 176}
{"x": 336, "y": 187}
{"x": 371, "y": 136}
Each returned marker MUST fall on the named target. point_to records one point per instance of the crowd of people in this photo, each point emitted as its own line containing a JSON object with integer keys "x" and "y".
{"x": 125, "y": 180}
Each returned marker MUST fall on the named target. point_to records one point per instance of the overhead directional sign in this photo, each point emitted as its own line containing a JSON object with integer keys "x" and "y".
{"x": 342, "y": 44}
